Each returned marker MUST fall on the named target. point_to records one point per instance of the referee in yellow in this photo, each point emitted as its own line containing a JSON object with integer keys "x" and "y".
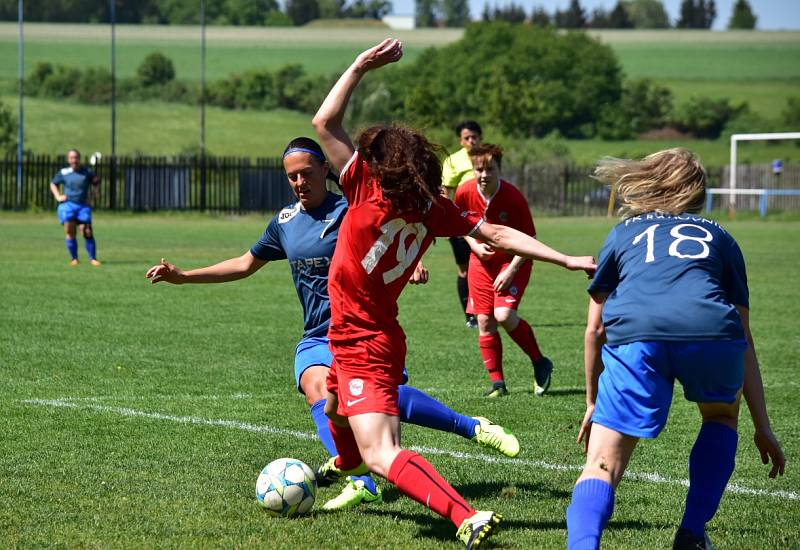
{"x": 456, "y": 169}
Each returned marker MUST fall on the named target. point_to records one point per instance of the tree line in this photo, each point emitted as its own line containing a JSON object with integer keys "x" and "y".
{"x": 626, "y": 14}
{"x": 640, "y": 14}
{"x": 530, "y": 82}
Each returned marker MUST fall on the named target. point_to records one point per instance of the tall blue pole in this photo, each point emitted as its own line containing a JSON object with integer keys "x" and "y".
{"x": 112, "y": 195}
{"x": 203, "y": 174}
{"x": 21, "y": 126}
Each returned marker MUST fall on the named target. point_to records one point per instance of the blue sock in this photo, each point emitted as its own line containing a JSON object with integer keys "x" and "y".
{"x": 91, "y": 248}
{"x": 423, "y": 410}
{"x": 72, "y": 247}
{"x": 711, "y": 464}
{"x": 323, "y": 430}
{"x": 369, "y": 483}
{"x": 587, "y": 515}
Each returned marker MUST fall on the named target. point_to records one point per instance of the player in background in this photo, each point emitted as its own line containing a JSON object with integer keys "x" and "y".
{"x": 497, "y": 280}
{"x": 305, "y": 234}
{"x": 392, "y": 183}
{"x": 669, "y": 300}
{"x": 457, "y": 169}
{"x": 75, "y": 205}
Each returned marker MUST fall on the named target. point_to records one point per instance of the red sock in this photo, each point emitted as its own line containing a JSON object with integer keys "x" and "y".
{"x": 492, "y": 352}
{"x": 416, "y": 478}
{"x": 523, "y": 336}
{"x": 349, "y": 456}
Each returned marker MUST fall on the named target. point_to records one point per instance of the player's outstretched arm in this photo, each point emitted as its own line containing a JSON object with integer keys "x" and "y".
{"x": 228, "y": 270}
{"x": 753, "y": 390}
{"x": 593, "y": 340}
{"x": 516, "y": 242}
{"x": 328, "y": 120}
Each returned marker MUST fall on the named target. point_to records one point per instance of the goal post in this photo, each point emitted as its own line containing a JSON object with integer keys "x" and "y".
{"x": 735, "y": 139}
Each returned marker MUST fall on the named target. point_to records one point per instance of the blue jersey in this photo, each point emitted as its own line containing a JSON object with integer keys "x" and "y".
{"x": 76, "y": 183}
{"x": 673, "y": 278}
{"x": 307, "y": 239}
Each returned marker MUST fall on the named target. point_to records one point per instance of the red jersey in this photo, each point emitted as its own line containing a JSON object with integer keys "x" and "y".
{"x": 377, "y": 251}
{"x": 507, "y": 206}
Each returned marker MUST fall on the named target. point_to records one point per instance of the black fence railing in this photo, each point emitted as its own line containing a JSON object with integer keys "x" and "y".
{"x": 217, "y": 184}
{"x": 236, "y": 184}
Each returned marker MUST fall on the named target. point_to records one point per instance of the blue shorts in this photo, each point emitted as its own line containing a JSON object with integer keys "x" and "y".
{"x": 72, "y": 211}
{"x": 635, "y": 388}
{"x": 315, "y": 351}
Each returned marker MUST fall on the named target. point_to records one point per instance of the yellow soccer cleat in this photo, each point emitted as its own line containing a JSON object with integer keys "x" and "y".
{"x": 495, "y": 436}
{"x": 476, "y": 528}
{"x": 353, "y": 494}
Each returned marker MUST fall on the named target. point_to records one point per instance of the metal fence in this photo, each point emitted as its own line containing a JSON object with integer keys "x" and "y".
{"x": 235, "y": 185}
{"x": 214, "y": 184}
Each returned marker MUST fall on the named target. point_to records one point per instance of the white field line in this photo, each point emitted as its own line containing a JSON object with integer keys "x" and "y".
{"x": 86, "y": 404}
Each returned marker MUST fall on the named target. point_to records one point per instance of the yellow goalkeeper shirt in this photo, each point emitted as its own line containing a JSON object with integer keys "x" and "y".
{"x": 456, "y": 169}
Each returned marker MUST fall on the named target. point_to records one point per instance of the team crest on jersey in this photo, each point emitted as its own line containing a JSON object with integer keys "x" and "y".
{"x": 288, "y": 213}
{"x": 513, "y": 290}
{"x": 356, "y": 386}
{"x": 503, "y": 216}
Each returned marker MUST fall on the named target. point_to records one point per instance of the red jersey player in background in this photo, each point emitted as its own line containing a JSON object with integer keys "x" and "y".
{"x": 497, "y": 279}
{"x": 392, "y": 184}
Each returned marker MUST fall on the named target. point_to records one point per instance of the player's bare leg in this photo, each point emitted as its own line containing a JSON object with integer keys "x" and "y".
{"x": 72, "y": 245}
{"x": 378, "y": 438}
{"x": 592, "y": 503}
{"x": 711, "y": 465}
{"x": 522, "y": 334}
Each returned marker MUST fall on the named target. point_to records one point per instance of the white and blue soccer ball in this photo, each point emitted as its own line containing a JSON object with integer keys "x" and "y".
{"x": 286, "y": 487}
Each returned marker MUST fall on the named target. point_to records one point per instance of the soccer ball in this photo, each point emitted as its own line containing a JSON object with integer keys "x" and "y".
{"x": 286, "y": 487}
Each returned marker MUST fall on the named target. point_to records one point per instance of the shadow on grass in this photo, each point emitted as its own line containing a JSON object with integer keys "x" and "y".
{"x": 565, "y": 391}
{"x": 537, "y": 325}
{"x": 435, "y": 527}
{"x": 491, "y": 489}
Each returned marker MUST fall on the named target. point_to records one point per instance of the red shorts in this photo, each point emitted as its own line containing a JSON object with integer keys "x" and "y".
{"x": 366, "y": 373}
{"x": 482, "y": 297}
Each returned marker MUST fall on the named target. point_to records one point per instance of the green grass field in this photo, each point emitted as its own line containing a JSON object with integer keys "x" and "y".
{"x": 138, "y": 416}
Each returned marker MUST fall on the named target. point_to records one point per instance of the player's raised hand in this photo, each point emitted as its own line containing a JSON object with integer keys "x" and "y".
{"x": 770, "y": 450}
{"x": 166, "y": 272}
{"x": 585, "y": 263}
{"x": 388, "y": 51}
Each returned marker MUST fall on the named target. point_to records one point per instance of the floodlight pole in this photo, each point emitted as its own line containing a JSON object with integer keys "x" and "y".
{"x": 21, "y": 125}
{"x": 202, "y": 105}
{"x": 112, "y": 195}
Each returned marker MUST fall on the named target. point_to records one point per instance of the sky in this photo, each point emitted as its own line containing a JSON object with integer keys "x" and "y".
{"x": 772, "y": 14}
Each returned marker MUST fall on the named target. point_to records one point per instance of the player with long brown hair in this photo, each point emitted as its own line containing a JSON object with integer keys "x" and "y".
{"x": 392, "y": 184}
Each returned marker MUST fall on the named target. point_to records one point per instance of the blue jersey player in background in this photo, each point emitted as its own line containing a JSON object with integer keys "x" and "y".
{"x": 669, "y": 301}
{"x": 75, "y": 205}
{"x": 305, "y": 235}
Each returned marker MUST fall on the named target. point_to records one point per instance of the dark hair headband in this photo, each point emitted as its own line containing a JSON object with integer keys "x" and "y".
{"x": 317, "y": 154}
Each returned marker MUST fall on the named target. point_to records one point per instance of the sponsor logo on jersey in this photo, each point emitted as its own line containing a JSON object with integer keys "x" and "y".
{"x": 308, "y": 264}
{"x": 288, "y": 213}
{"x": 356, "y": 387}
